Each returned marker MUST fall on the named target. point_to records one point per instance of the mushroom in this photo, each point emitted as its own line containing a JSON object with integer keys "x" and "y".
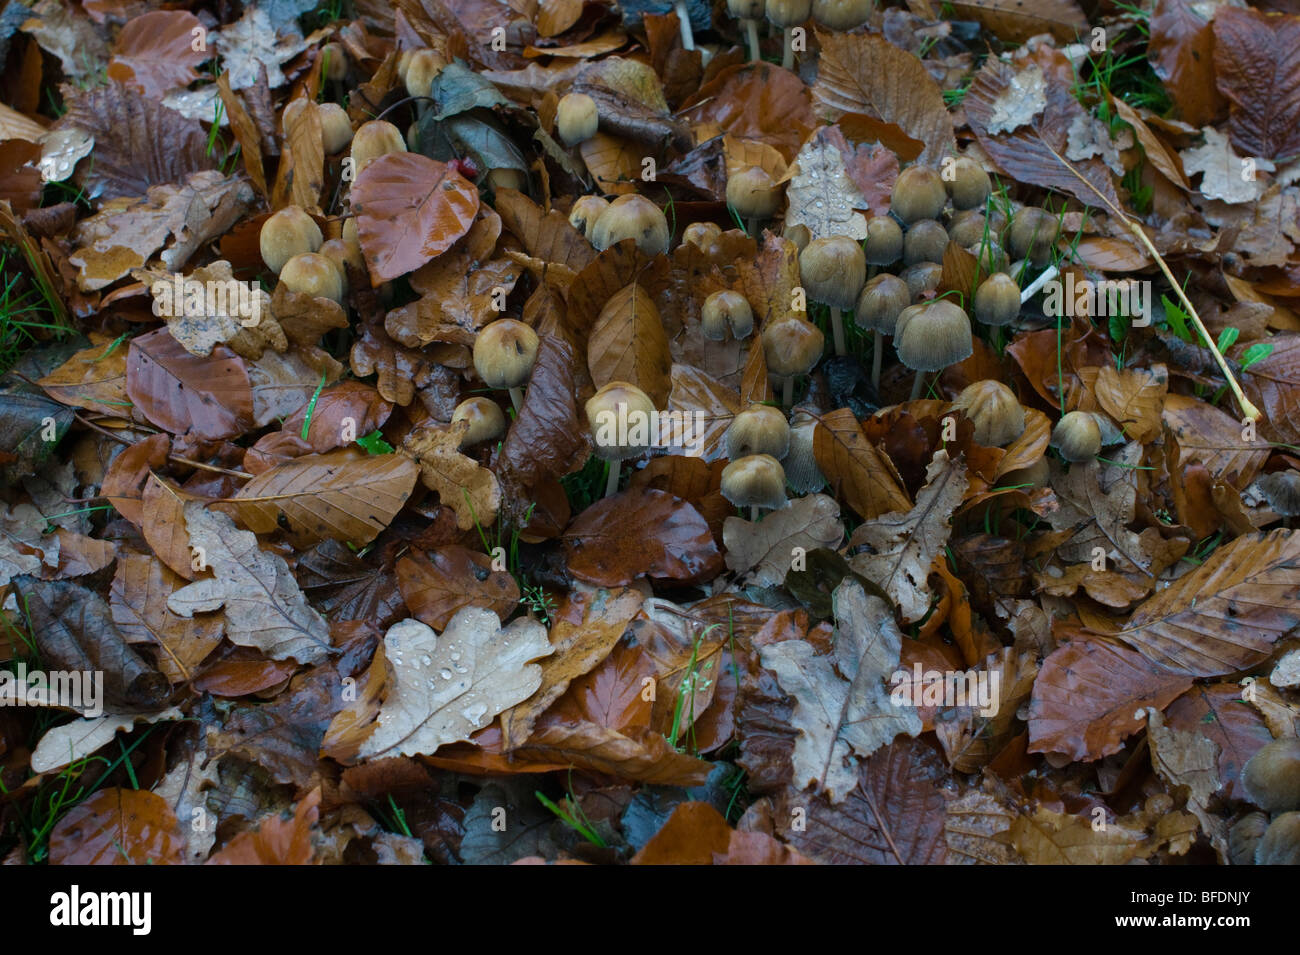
{"x": 878, "y": 308}
{"x": 833, "y": 271}
{"x": 884, "y": 242}
{"x": 576, "y": 118}
{"x": 754, "y": 195}
{"x": 487, "y": 421}
{"x": 726, "y": 308}
{"x": 334, "y": 62}
{"x": 702, "y": 235}
{"x": 586, "y": 212}
{"x": 632, "y": 217}
{"x": 968, "y": 184}
{"x": 992, "y": 407}
{"x": 1282, "y": 491}
{"x": 372, "y": 140}
{"x": 756, "y": 481}
{"x": 921, "y": 278}
{"x": 842, "y": 15}
{"x": 997, "y": 300}
{"x": 619, "y": 416}
{"x": 504, "y": 354}
{"x": 792, "y": 347}
{"x": 924, "y": 242}
{"x": 421, "y": 70}
{"x": 989, "y": 257}
{"x": 799, "y": 234}
{"x": 335, "y": 127}
{"x": 313, "y": 274}
{"x": 1032, "y": 234}
{"x": 748, "y": 13}
{"x": 1281, "y": 842}
{"x": 918, "y": 194}
{"x": 343, "y": 256}
{"x": 1077, "y": 436}
{"x": 967, "y": 227}
{"x": 931, "y": 338}
{"x": 759, "y": 429}
{"x": 788, "y": 14}
{"x": 1271, "y": 778}
{"x": 800, "y": 463}
{"x": 1244, "y": 836}
{"x": 287, "y": 233}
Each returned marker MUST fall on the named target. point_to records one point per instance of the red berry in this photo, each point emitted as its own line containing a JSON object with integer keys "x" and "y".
{"x": 466, "y": 167}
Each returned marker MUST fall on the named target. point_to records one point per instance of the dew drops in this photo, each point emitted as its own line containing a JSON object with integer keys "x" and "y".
{"x": 425, "y": 659}
{"x": 445, "y": 673}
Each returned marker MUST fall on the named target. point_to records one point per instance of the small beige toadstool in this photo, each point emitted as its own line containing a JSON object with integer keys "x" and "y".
{"x": 576, "y": 118}
{"x": 792, "y": 347}
{"x": 933, "y": 337}
{"x": 754, "y": 195}
{"x": 997, "y": 300}
{"x": 759, "y": 429}
{"x": 586, "y": 212}
{"x": 883, "y": 298}
{"x": 725, "y": 310}
{"x": 313, "y": 274}
{"x": 833, "y": 271}
{"x": 287, "y": 233}
{"x": 1077, "y": 437}
{"x": 632, "y": 217}
{"x": 994, "y": 410}
{"x": 504, "y": 354}
{"x": 487, "y": 421}
{"x": 918, "y": 194}
{"x": 756, "y": 481}
{"x": 372, "y": 140}
{"x": 619, "y": 416}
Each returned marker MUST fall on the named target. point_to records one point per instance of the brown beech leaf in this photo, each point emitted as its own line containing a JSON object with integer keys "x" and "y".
{"x": 695, "y": 393}
{"x": 693, "y": 835}
{"x": 628, "y": 343}
{"x": 409, "y": 209}
{"x": 640, "y": 532}
{"x": 856, "y": 469}
{"x": 472, "y": 491}
{"x": 1091, "y": 694}
{"x": 276, "y": 841}
{"x": 118, "y": 827}
{"x": 343, "y": 495}
{"x": 758, "y": 101}
{"x": 1182, "y": 54}
{"x": 345, "y": 587}
{"x": 437, "y": 584}
{"x": 154, "y": 53}
{"x": 901, "y": 545}
{"x": 1218, "y": 712}
{"x": 459, "y": 299}
{"x": 209, "y": 398}
{"x": 766, "y": 548}
{"x": 94, "y": 378}
{"x": 1273, "y": 384}
{"x": 1030, "y": 446}
{"x": 614, "y": 162}
{"x": 1134, "y": 397}
{"x": 443, "y": 688}
{"x": 1016, "y": 21}
{"x": 1214, "y": 439}
{"x": 163, "y": 525}
{"x": 971, "y": 737}
{"x": 347, "y": 407}
{"x": 865, "y": 73}
{"x": 975, "y": 821}
{"x": 138, "y": 602}
{"x": 547, "y": 236}
{"x": 1226, "y": 614}
{"x": 1257, "y": 68}
{"x": 843, "y": 708}
{"x": 128, "y": 472}
{"x": 637, "y": 753}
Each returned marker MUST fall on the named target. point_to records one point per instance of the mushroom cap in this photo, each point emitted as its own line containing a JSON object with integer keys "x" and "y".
{"x": 725, "y": 309}
{"x": 620, "y": 402}
{"x": 799, "y": 234}
{"x": 1281, "y": 842}
{"x": 576, "y": 118}
{"x": 632, "y": 217}
{"x": 754, "y": 481}
{"x": 921, "y": 278}
{"x": 334, "y": 62}
{"x": 343, "y": 256}
{"x": 1077, "y": 436}
{"x": 935, "y": 337}
{"x": 753, "y": 193}
{"x": 842, "y": 14}
{"x": 421, "y": 70}
{"x": 287, "y": 233}
{"x": 792, "y": 346}
{"x": 504, "y": 353}
{"x": 1271, "y": 777}
{"x": 745, "y": 9}
{"x": 989, "y": 255}
{"x": 788, "y": 13}
{"x": 759, "y": 429}
{"x": 335, "y": 127}
{"x": 702, "y": 235}
{"x": 882, "y": 299}
{"x": 1282, "y": 491}
{"x": 1032, "y": 234}
{"x": 313, "y": 274}
{"x": 372, "y": 140}
{"x": 833, "y": 270}
{"x": 997, "y": 300}
{"x": 970, "y": 185}
{"x": 918, "y": 194}
{"x": 967, "y": 226}
{"x": 586, "y": 212}
{"x": 884, "y": 242}
{"x": 924, "y": 242}
{"x": 487, "y": 421}
{"x": 1244, "y": 836}
{"x": 992, "y": 407}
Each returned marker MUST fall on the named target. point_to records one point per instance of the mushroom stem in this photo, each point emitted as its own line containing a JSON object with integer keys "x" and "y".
{"x": 918, "y": 385}
{"x": 611, "y": 483}
{"x": 684, "y": 18}
{"x": 751, "y": 33}
{"x": 837, "y": 328}
{"x": 787, "y": 58}
{"x": 517, "y": 397}
{"x": 787, "y": 392}
{"x": 753, "y": 513}
{"x": 751, "y": 226}
{"x": 877, "y": 357}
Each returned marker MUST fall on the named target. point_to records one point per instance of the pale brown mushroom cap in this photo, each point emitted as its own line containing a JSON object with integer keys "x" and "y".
{"x": 924, "y": 241}
{"x": 341, "y": 254}
{"x": 287, "y": 233}
{"x": 618, "y": 416}
{"x": 800, "y": 463}
{"x": 755, "y": 481}
{"x": 1271, "y": 778}
{"x": 936, "y": 336}
{"x": 726, "y": 310}
{"x": 1032, "y": 234}
{"x": 1282, "y": 491}
{"x": 1281, "y": 842}
{"x": 884, "y": 245}
{"x": 788, "y": 13}
{"x": 970, "y": 185}
{"x": 487, "y": 421}
{"x": 335, "y": 127}
{"x": 1077, "y": 436}
{"x": 921, "y": 278}
{"x": 702, "y": 235}
{"x": 334, "y": 62}
{"x": 576, "y": 118}
{"x": 918, "y": 194}
{"x": 421, "y": 70}
{"x": 842, "y": 14}
{"x": 753, "y": 193}
{"x": 994, "y": 410}
{"x": 504, "y": 353}
{"x": 372, "y": 140}
{"x": 313, "y": 274}
{"x": 997, "y": 300}
{"x": 833, "y": 270}
{"x": 792, "y": 346}
{"x": 799, "y": 234}
{"x": 632, "y": 217}
{"x": 880, "y": 303}
{"x": 759, "y": 429}
{"x": 586, "y": 212}
{"x": 967, "y": 227}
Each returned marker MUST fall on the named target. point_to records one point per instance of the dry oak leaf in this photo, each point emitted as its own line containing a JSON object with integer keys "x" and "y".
{"x": 1225, "y": 615}
{"x": 972, "y": 737}
{"x": 462, "y": 484}
{"x": 277, "y": 841}
{"x": 436, "y": 585}
{"x": 239, "y": 317}
{"x": 443, "y": 689}
{"x": 1091, "y": 694}
{"x": 409, "y": 209}
{"x": 843, "y": 708}
{"x": 343, "y": 495}
{"x": 264, "y": 607}
{"x": 821, "y": 195}
{"x": 1223, "y": 168}
{"x": 903, "y": 545}
{"x": 856, "y": 469}
{"x": 695, "y": 393}
{"x": 972, "y": 827}
{"x": 118, "y": 827}
{"x": 766, "y": 548}
{"x": 1188, "y": 758}
{"x": 70, "y": 742}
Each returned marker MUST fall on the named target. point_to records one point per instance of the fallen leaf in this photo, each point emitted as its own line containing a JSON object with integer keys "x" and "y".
{"x": 438, "y": 584}
{"x": 855, "y": 467}
{"x": 768, "y": 549}
{"x": 118, "y": 827}
{"x": 462, "y": 484}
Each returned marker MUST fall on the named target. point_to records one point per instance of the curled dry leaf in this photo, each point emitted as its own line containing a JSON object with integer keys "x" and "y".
{"x": 276, "y": 841}
{"x": 463, "y": 485}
